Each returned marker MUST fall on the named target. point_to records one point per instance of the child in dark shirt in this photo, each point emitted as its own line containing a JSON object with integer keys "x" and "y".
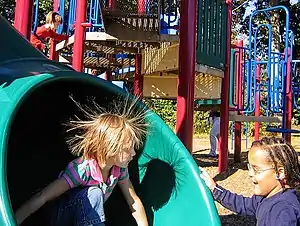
{"x": 275, "y": 173}
{"x": 42, "y": 33}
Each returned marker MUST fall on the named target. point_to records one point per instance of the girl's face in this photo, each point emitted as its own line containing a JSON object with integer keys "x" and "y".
{"x": 123, "y": 158}
{"x": 262, "y": 173}
{"x": 54, "y": 25}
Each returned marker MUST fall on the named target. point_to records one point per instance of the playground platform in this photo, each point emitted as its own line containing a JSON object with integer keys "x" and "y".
{"x": 160, "y": 70}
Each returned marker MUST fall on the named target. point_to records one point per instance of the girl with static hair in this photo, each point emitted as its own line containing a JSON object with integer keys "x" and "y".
{"x": 275, "y": 173}
{"x": 105, "y": 143}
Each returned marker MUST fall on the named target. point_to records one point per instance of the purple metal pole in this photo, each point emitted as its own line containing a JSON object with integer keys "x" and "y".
{"x": 289, "y": 97}
{"x": 186, "y": 78}
{"x": 224, "y": 110}
{"x": 138, "y": 77}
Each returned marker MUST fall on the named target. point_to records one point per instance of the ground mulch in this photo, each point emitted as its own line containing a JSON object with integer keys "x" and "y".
{"x": 235, "y": 179}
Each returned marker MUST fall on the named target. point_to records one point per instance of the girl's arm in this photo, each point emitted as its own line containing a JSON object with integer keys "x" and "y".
{"x": 236, "y": 203}
{"x": 58, "y": 37}
{"x": 53, "y": 190}
{"x": 134, "y": 203}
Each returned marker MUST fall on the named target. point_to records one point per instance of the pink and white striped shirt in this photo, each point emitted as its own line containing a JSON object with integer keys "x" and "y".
{"x": 86, "y": 172}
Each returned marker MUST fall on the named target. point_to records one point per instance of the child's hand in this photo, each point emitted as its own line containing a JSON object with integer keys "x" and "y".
{"x": 207, "y": 179}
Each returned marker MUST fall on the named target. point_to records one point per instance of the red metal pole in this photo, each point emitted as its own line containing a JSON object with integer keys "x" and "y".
{"x": 79, "y": 35}
{"x": 224, "y": 120}
{"x": 239, "y": 98}
{"x": 186, "y": 77}
{"x": 107, "y": 75}
{"x": 138, "y": 78}
{"x": 23, "y": 17}
{"x": 289, "y": 97}
{"x": 257, "y": 102}
{"x": 53, "y": 54}
{"x": 141, "y": 6}
{"x": 112, "y": 4}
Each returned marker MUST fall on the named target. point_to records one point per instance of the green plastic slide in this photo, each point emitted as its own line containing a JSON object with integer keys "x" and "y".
{"x": 35, "y": 101}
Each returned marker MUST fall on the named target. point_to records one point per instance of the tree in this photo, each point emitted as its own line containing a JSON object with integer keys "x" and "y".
{"x": 7, "y": 9}
{"x": 243, "y": 8}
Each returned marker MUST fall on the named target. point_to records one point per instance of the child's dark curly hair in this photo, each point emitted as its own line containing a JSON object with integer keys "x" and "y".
{"x": 282, "y": 154}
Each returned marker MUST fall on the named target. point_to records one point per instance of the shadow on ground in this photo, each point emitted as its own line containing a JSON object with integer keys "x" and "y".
{"x": 204, "y": 160}
{"x": 230, "y": 220}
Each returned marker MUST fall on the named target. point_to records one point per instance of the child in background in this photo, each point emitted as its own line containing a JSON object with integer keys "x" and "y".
{"x": 214, "y": 134}
{"x": 38, "y": 38}
{"x": 105, "y": 144}
{"x": 275, "y": 173}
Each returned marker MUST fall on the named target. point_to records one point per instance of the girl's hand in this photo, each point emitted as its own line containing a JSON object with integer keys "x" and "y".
{"x": 43, "y": 46}
{"x": 134, "y": 202}
{"x": 207, "y": 179}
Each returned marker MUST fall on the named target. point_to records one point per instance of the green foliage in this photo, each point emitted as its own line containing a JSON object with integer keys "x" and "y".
{"x": 249, "y": 127}
{"x": 241, "y": 26}
{"x": 166, "y": 109}
{"x": 7, "y": 9}
{"x": 45, "y": 7}
{"x": 200, "y": 122}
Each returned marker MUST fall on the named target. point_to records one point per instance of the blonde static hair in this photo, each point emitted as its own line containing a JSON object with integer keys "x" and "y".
{"x": 52, "y": 17}
{"x": 105, "y": 132}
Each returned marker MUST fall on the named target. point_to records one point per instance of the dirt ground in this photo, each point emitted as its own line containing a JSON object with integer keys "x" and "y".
{"x": 235, "y": 179}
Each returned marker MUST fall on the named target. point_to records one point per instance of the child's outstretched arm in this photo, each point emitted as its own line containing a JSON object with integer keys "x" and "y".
{"x": 134, "y": 203}
{"x": 58, "y": 37}
{"x": 53, "y": 190}
{"x": 236, "y": 203}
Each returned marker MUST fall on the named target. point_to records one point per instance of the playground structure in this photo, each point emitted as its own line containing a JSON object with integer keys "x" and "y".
{"x": 110, "y": 50}
{"x": 111, "y": 36}
{"x": 34, "y": 96}
{"x": 151, "y": 44}
{"x": 264, "y": 81}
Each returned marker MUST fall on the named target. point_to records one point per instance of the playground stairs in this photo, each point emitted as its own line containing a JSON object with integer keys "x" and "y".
{"x": 166, "y": 59}
{"x": 164, "y": 86}
{"x": 160, "y": 70}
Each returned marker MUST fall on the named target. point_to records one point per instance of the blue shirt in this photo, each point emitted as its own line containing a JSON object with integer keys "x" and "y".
{"x": 282, "y": 209}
